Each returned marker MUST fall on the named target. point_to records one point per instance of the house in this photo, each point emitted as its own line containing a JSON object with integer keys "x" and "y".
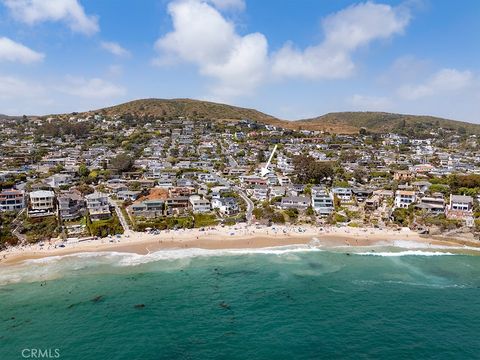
{"x": 344, "y": 194}
{"x": 296, "y": 189}
{"x": 460, "y": 207}
{"x": 42, "y": 203}
{"x": 372, "y": 203}
{"x": 226, "y": 206}
{"x": 421, "y": 186}
{"x": 148, "y": 208}
{"x": 12, "y": 200}
{"x": 322, "y": 202}
{"x": 98, "y": 206}
{"x": 199, "y": 205}
{"x": 295, "y": 202}
{"x": 128, "y": 195}
{"x": 433, "y": 205}
{"x": 176, "y": 204}
{"x": 403, "y": 198}
{"x": 71, "y": 205}
{"x": 277, "y": 191}
{"x": 403, "y": 175}
{"x": 253, "y": 180}
{"x": 57, "y": 180}
{"x": 362, "y": 194}
{"x": 260, "y": 192}
{"x": 181, "y": 191}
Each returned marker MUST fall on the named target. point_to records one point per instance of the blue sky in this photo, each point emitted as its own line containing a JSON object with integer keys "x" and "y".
{"x": 290, "y": 58}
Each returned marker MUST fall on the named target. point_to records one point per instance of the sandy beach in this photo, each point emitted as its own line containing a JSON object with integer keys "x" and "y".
{"x": 238, "y": 237}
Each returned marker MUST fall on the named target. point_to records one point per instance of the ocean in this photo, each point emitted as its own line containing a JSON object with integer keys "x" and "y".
{"x": 287, "y": 303}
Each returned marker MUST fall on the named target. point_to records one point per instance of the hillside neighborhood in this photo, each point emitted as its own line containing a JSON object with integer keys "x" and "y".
{"x": 82, "y": 176}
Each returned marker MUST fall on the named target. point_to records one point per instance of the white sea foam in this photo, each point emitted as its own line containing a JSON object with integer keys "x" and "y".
{"x": 405, "y": 253}
{"x": 176, "y": 254}
{"x": 54, "y": 267}
{"x": 408, "y": 244}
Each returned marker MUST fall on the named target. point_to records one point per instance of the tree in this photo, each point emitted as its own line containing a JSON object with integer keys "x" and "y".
{"x": 122, "y": 162}
{"x": 83, "y": 170}
{"x": 359, "y": 174}
{"x": 308, "y": 170}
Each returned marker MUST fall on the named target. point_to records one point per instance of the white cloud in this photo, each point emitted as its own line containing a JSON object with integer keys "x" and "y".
{"x": 202, "y": 36}
{"x": 345, "y": 32}
{"x": 94, "y": 88}
{"x": 229, "y": 4}
{"x": 370, "y": 103}
{"x": 12, "y": 88}
{"x": 21, "y": 96}
{"x": 69, "y": 11}
{"x": 443, "y": 81}
{"x": 114, "y": 48}
{"x": 115, "y": 70}
{"x": 13, "y": 51}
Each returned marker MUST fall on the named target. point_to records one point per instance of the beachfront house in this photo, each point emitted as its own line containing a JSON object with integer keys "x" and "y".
{"x": 460, "y": 207}
{"x": 295, "y": 202}
{"x": 98, "y": 206}
{"x": 403, "y": 198}
{"x": 42, "y": 203}
{"x": 226, "y": 206}
{"x": 12, "y": 200}
{"x": 372, "y": 203}
{"x": 343, "y": 193}
{"x": 177, "y": 204}
{"x": 148, "y": 209}
{"x": 322, "y": 202}
{"x": 71, "y": 205}
{"x": 362, "y": 195}
{"x": 199, "y": 205}
{"x": 433, "y": 205}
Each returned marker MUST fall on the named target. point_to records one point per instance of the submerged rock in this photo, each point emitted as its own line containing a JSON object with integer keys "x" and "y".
{"x": 224, "y": 305}
{"x": 97, "y": 298}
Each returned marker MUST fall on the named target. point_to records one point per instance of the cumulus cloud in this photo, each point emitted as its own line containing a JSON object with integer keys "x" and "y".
{"x": 13, "y": 51}
{"x": 94, "y": 88}
{"x": 202, "y": 36}
{"x": 228, "y": 4}
{"x": 443, "y": 81}
{"x": 70, "y": 12}
{"x": 345, "y": 32}
{"x": 114, "y": 48}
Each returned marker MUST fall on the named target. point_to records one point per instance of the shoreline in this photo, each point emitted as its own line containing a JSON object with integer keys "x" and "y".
{"x": 236, "y": 237}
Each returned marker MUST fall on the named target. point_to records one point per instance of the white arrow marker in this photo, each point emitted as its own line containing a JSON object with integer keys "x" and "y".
{"x": 265, "y": 170}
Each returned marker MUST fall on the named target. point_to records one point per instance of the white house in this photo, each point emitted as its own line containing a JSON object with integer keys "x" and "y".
{"x": 199, "y": 205}
{"x": 403, "y": 198}
{"x": 226, "y": 206}
{"x": 460, "y": 207}
{"x": 322, "y": 201}
{"x": 98, "y": 206}
{"x": 42, "y": 203}
{"x": 344, "y": 194}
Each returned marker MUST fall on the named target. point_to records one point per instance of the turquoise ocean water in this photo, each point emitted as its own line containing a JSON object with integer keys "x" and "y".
{"x": 264, "y": 304}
